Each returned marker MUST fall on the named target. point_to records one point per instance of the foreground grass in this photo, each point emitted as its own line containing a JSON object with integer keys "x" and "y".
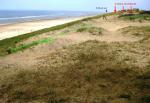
{"x": 26, "y": 46}
{"x": 94, "y": 72}
{"x": 11, "y": 42}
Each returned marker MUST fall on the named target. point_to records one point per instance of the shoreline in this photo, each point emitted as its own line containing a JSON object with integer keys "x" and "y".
{"x": 35, "y": 20}
{"x": 16, "y": 29}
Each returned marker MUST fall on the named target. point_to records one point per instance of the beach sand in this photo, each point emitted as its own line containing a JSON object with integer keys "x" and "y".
{"x": 11, "y": 30}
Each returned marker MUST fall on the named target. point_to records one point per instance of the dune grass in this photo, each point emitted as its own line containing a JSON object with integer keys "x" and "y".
{"x": 85, "y": 72}
{"x": 133, "y": 17}
{"x": 92, "y": 30}
{"x": 146, "y": 99}
{"x": 142, "y": 32}
{"x": 11, "y": 42}
{"x": 92, "y": 71}
{"x": 29, "y": 45}
{"x": 131, "y": 29}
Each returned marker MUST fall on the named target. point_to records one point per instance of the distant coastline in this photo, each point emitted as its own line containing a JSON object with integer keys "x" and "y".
{"x": 10, "y": 17}
{"x": 41, "y": 20}
{"x": 16, "y": 29}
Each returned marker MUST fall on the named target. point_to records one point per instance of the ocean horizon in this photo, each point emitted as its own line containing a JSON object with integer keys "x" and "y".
{"x": 15, "y": 16}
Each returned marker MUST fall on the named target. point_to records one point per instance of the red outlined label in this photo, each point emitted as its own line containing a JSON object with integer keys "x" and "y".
{"x": 123, "y": 4}
{"x": 130, "y": 4}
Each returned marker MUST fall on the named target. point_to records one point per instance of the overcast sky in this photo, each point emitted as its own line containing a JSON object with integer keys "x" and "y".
{"x": 72, "y": 5}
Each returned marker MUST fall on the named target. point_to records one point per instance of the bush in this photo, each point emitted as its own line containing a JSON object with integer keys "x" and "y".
{"x": 146, "y": 99}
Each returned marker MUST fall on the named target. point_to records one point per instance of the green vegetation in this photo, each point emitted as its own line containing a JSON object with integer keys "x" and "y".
{"x": 26, "y": 46}
{"x": 125, "y": 96}
{"x": 65, "y": 32}
{"x": 143, "y": 82}
{"x": 142, "y": 32}
{"x": 139, "y": 17}
{"x": 136, "y": 29}
{"x": 92, "y": 30}
{"x": 11, "y": 42}
{"x": 146, "y": 99}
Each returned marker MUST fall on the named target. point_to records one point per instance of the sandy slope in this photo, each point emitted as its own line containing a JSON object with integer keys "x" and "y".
{"x": 112, "y": 34}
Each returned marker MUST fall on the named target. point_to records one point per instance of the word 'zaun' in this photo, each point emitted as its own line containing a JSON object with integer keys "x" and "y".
{"x": 130, "y": 5}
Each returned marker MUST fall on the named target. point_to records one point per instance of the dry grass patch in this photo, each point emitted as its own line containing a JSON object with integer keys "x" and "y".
{"x": 88, "y": 72}
{"x": 92, "y": 30}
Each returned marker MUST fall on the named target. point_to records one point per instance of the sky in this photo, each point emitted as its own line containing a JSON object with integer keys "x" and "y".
{"x": 71, "y": 5}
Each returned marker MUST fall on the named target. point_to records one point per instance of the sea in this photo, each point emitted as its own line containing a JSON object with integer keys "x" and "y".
{"x": 15, "y": 16}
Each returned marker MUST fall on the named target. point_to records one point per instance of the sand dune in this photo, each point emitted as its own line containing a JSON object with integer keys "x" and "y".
{"x": 92, "y": 61}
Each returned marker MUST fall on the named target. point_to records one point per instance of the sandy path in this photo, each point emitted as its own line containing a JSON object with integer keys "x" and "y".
{"x": 8, "y": 31}
{"x": 113, "y": 25}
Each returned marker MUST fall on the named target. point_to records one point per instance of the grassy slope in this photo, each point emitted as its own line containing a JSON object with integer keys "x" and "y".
{"x": 11, "y": 42}
{"x": 34, "y": 43}
{"x": 94, "y": 72}
{"x": 92, "y": 30}
{"x": 85, "y": 72}
{"x": 134, "y": 17}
